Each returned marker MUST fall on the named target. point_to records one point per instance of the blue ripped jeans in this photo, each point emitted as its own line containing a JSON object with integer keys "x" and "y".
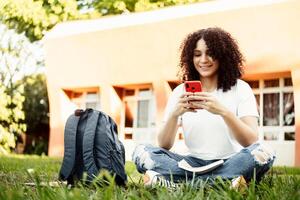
{"x": 255, "y": 159}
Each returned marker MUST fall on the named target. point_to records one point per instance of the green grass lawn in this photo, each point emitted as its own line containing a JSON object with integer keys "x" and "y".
{"x": 280, "y": 183}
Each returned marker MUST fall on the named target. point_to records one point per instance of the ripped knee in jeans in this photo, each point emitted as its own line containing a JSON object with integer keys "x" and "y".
{"x": 143, "y": 158}
{"x": 263, "y": 154}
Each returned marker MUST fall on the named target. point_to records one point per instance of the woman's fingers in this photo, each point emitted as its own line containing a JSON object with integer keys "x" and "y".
{"x": 191, "y": 110}
{"x": 190, "y": 102}
{"x": 183, "y": 100}
{"x": 187, "y": 107}
{"x": 186, "y": 94}
{"x": 199, "y": 98}
{"x": 198, "y": 104}
{"x": 185, "y": 97}
{"x": 204, "y": 94}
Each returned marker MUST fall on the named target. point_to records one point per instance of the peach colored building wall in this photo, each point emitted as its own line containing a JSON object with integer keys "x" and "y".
{"x": 143, "y": 48}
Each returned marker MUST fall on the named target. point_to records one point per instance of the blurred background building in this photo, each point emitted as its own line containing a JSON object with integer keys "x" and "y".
{"x": 126, "y": 66}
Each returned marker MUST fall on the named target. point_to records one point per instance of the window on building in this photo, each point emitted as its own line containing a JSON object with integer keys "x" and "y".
{"x": 85, "y": 98}
{"x": 143, "y": 108}
{"x": 92, "y": 100}
{"x": 275, "y": 103}
{"x": 138, "y": 103}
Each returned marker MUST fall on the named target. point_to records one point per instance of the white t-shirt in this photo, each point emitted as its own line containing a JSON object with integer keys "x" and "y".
{"x": 206, "y": 135}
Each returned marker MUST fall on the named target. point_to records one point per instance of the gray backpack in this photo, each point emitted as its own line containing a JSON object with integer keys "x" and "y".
{"x": 91, "y": 144}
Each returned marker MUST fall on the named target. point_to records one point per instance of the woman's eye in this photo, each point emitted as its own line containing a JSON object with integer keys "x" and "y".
{"x": 197, "y": 55}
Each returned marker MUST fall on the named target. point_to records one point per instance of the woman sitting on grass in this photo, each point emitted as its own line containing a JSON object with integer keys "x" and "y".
{"x": 219, "y": 123}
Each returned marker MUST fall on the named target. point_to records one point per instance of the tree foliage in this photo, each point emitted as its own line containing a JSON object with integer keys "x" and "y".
{"x": 36, "y": 17}
{"x": 14, "y": 55}
{"x": 36, "y": 109}
{"x": 24, "y": 101}
{"x": 7, "y": 139}
{"x": 36, "y": 105}
{"x": 111, "y": 7}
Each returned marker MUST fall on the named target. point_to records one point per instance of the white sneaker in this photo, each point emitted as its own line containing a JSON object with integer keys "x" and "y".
{"x": 152, "y": 178}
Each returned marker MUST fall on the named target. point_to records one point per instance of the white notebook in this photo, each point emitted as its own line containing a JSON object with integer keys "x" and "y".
{"x": 203, "y": 169}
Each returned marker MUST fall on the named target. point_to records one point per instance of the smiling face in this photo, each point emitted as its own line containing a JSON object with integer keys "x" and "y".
{"x": 203, "y": 62}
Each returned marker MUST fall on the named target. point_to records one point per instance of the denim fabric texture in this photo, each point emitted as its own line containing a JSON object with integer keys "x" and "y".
{"x": 252, "y": 161}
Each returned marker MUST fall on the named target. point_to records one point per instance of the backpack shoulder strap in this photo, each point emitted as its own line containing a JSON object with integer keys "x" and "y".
{"x": 88, "y": 145}
{"x": 70, "y": 147}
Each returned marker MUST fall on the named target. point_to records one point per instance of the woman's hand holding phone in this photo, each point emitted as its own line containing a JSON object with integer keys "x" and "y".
{"x": 194, "y": 99}
{"x": 183, "y": 105}
{"x": 202, "y": 100}
{"x": 205, "y": 100}
{"x": 192, "y": 87}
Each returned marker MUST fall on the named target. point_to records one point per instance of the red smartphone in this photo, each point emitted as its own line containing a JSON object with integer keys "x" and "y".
{"x": 193, "y": 86}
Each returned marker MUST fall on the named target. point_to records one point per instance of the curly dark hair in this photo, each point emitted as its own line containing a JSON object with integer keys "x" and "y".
{"x": 222, "y": 47}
